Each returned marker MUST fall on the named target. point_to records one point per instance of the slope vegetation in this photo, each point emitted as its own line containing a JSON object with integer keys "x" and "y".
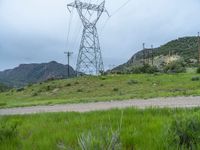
{"x": 185, "y": 48}
{"x": 103, "y": 88}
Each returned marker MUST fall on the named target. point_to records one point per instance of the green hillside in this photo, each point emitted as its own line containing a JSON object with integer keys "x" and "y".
{"x": 186, "y": 48}
{"x": 103, "y": 88}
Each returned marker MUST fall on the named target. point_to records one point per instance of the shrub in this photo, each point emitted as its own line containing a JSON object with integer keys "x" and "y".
{"x": 30, "y": 84}
{"x": 115, "y": 89}
{"x": 8, "y": 130}
{"x": 20, "y": 89}
{"x": 101, "y": 85}
{"x": 48, "y": 88}
{"x": 175, "y": 67}
{"x": 103, "y": 78}
{"x": 80, "y": 90}
{"x": 143, "y": 69}
{"x": 51, "y": 79}
{"x": 68, "y": 84}
{"x": 132, "y": 82}
{"x": 76, "y": 82}
{"x": 198, "y": 69}
{"x": 34, "y": 94}
{"x": 195, "y": 78}
{"x": 3, "y": 104}
{"x": 106, "y": 139}
{"x": 184, "y": 132}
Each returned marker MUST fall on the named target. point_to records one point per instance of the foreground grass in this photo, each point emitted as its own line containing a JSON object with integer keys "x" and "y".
{"x": 140, "y": 129}
{"x": 104, "y": 88}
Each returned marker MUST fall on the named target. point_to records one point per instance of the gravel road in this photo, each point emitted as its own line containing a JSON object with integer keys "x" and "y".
{"x": 176, "y": 102}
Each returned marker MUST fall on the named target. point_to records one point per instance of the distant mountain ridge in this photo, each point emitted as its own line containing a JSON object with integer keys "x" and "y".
{"x": 185, "y": 48}
{"x": 26, "y": 74}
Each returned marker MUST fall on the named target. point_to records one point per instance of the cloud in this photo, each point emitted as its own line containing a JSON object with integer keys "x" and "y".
{"x": 36, "y": 31}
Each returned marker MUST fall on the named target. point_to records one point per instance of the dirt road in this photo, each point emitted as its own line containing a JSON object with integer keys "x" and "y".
{"x": 178, "y": 102}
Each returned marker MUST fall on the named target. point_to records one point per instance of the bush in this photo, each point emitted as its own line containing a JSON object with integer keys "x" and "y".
{"x": 3, "y": 104}
{"x": 184, "y": 132}
{"x": 79, "y": 90}
{"x": 106, "y": 139}
{"x": 34, "y": 94}
{"x": 20, "y": 89}
{"x": 8, "y": 130}
{"x": 76, "y": 83}
{"x": 101, "y": 85}
{"x": 47, "y": 88}
{"x": 195, "y": 78}
{"x": 115, "y": 89}
{"x": 103, "y": 78}
{"x": 132, "y": 82}
{"x": 143, "y": 69}
{"x": 68, "y": 84}
{"x": 175, "y": 67}
{"x": 198, "y": 69}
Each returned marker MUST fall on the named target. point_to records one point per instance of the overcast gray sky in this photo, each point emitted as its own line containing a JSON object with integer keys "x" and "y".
{"x": 34, "y": 31}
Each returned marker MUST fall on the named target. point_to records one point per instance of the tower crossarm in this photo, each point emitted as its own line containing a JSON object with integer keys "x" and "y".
{"x": 83, "y": 5}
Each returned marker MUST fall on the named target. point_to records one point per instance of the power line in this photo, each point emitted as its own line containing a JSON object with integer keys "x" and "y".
{"x": 69, "y": 28}
{"x": 122, "y": 6}
{"x": 114, "y": 13}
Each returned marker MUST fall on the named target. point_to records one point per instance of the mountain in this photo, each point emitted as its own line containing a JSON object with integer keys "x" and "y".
{"x": 26, "y": 74}
{"x": 185, "y": 48}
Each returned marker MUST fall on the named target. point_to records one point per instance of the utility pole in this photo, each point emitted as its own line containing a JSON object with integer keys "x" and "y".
{"x": 152, "y": 55}
{"x": 143, "y": 53}
{"x": 198, "y": 48}
{"x": 89, "y": 58}
{"x": 68, "y": 59}
{"x": 148, "y": 55}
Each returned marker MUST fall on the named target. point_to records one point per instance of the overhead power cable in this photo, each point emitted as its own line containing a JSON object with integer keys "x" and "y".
{"x": 69, "y": 28}
{"x": 114, "y": 13}
{"x": 122, "y": 6}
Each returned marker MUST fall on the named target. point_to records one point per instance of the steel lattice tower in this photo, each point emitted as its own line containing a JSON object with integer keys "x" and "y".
{"x": 89, "y": 58}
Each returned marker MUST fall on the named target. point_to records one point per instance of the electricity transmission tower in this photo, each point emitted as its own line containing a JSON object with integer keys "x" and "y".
{"x": 89, "y": 58}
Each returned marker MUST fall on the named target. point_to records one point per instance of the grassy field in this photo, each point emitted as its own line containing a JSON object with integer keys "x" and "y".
{"x": 103, "y": 88}
{"x": 127, "y": 129}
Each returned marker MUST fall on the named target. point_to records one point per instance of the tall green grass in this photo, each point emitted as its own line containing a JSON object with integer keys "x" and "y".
{"x": 135, "y": 129}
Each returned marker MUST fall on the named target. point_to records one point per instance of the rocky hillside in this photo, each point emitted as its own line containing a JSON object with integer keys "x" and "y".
{"x": 185, "y": 48}
{"x": 33, "y": 73}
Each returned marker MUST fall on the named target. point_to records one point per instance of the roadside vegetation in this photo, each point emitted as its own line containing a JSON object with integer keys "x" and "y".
{"x": 103, "y": 130}
{"x": 103, "y": 88}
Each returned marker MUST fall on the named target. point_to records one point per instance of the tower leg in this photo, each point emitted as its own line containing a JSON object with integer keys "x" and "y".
{"x": 89, "y": 58}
